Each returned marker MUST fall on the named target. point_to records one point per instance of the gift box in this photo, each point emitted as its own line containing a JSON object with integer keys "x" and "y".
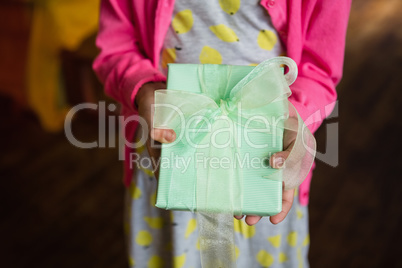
{"x": 228, "y": 121}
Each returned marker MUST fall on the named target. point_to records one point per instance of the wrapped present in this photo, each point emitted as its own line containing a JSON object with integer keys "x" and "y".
{"x": 228, "y": 121}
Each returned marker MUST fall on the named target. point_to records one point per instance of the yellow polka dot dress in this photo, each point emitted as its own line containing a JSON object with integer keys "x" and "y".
{"x": 237, "y": 32}
{"x": 218, "y": 32}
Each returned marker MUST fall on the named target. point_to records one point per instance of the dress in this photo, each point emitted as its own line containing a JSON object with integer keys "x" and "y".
{"x": 159, "y": 238}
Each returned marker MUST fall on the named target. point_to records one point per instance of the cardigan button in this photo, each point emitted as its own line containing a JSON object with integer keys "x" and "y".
{"x": 271, "y": 3}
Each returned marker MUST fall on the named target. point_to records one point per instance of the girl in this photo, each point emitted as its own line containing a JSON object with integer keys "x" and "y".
{"x": 138, "y": 38}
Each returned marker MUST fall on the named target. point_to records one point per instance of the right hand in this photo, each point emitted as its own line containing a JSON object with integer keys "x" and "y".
{"x": 144, "y": 100}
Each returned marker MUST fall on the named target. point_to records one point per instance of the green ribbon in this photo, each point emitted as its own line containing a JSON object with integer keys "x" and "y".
{"x": 254, "y": 101}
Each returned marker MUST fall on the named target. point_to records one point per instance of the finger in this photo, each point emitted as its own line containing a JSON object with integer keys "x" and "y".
{"x": 251, "y": 220}
{"x": 277, "y": 160}
{"x": 239, "y": 217}
{"x": 163, "y": 135}
{"x": 287, "y": 201}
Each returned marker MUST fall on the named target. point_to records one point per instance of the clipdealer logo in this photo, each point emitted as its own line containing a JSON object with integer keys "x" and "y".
{"x": 107, "y": 130}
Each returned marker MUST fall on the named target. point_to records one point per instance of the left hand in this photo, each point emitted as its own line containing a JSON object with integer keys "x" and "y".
{"x": 277, "y": 161}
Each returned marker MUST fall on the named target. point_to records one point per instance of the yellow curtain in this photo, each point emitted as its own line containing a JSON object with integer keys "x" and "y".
{"x": 56, "y": 25}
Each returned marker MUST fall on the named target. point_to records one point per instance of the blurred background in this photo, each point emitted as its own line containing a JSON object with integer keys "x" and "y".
{"x": 63, "y": 207}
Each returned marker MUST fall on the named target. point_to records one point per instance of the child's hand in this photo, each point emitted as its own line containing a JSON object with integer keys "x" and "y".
{"x": 144, "y": 100}
{"x": 276, "y": 161}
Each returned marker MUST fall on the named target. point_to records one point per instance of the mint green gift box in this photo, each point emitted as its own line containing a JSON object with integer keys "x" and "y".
{"x": 230, "y": 169}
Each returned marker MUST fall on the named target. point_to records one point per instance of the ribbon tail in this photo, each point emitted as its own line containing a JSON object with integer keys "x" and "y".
{"x": 301, "y": 157}
{"x": 217, "y": 246}
{"x": 218, "y": 199}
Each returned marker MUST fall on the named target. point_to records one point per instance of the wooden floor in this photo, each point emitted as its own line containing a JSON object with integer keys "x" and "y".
{"x": 62, "y": 206}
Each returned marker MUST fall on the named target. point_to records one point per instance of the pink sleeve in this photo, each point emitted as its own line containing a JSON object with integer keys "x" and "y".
{"x": 320, "y": 66}
{"x": 321, "y": 62}
{"x": 122, "y": 65}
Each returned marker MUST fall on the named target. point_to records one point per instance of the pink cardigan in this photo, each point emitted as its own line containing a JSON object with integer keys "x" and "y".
{"x": 132, "y": 32}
